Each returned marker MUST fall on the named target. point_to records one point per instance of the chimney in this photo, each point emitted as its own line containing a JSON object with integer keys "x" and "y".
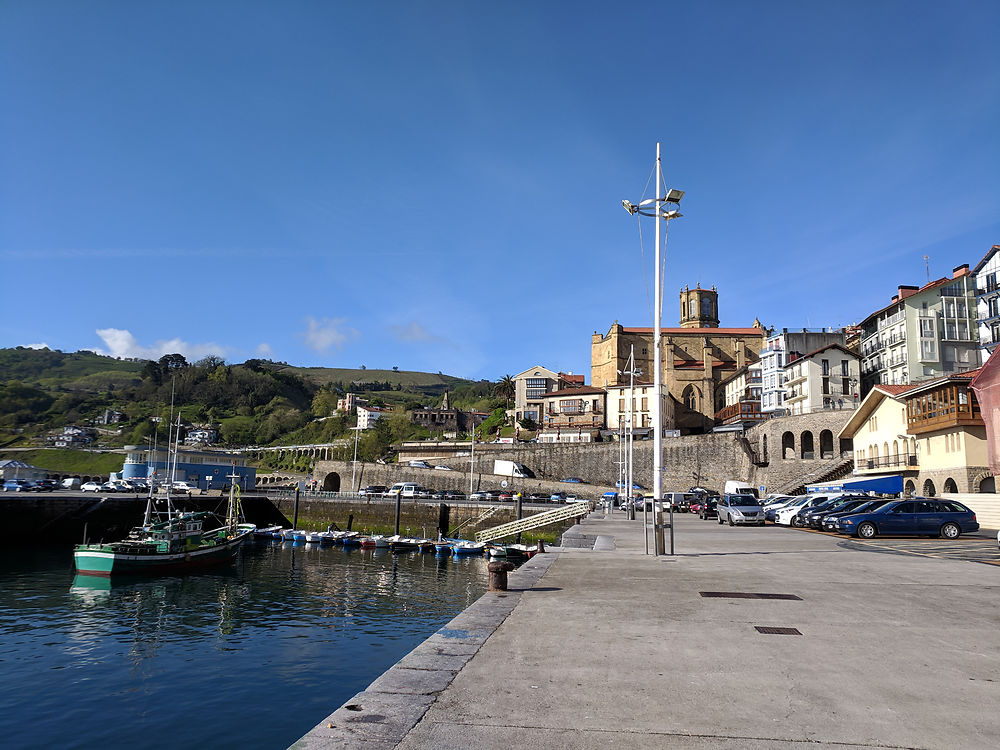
{"x": 905, "y": 290}
{"x": 895, "y": 298}
{"x": 961, "y": 270}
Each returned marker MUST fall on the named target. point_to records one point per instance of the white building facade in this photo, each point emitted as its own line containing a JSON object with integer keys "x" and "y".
{"x": 779, "y": 350}
{"x": 923, "y": 333}
{"x": 821, "y": 380}
{"x": 987, "y": 273}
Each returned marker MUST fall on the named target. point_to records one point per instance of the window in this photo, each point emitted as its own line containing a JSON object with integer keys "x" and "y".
{"x": 845, "y": 367}
{"x": 621, "y": 405}
{"x": 645, "y": 404}
{"x": 826, "y": 366}
{"x": 693, "y": 309}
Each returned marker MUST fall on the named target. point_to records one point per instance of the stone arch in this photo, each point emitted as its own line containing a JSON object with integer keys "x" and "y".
{"x": 691, "y": 397}
{"x": 331, "y": 482}
{"x": 788, "y": 445}
{"x": 929, "y": 490}
{"x": 985, "y": 483}
{"x": 806, "y": 447}
{"x": 895, "y": 451}
{"x": 826, "y": 444}
{"x": 910, "y": 488}
{"x": 950, "y": 486}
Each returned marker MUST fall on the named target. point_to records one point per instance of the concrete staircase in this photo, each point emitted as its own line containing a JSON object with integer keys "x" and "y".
{"x": 837, "y": 468}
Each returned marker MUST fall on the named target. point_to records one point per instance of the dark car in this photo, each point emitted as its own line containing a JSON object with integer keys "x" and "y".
{"x": 855, "y": 506}
{"x": 46, "y": 485}
{"x": 803, "y": 517}
{"x": 946, "y": 518}
{"x": 537, "y": 497}
{"x": 815, "y": 516}
{"x": 709, "y": 508}
{"x": 374, "y": 490}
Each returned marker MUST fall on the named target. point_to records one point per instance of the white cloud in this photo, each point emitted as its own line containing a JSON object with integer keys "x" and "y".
{"x": 121, "y": 343}
{"x": 326, "y": 333}
{"x": 413, "y": 331}
{"x": 36, "y": 346}
{"x": 264, "y": 350}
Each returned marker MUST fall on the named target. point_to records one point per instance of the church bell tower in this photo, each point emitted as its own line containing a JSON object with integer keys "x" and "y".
{"x": 699, "y": 308}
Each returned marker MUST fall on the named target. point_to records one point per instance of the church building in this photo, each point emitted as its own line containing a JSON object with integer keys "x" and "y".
{"x": 697, "y": 357}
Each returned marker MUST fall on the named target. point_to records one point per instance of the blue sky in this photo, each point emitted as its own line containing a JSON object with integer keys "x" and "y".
{"x": 437, "y": 185}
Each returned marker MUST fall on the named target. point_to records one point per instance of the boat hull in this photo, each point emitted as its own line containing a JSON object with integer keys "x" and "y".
{"x": 95, "y": 561}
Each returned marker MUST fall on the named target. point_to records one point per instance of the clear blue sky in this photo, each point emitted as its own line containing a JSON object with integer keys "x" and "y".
{"x": 438, "y": 185}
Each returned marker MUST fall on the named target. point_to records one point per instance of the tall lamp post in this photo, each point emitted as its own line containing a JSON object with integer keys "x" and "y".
{"x": 659, "y": 208}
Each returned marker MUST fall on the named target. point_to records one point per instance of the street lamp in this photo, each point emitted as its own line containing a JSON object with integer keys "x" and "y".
{"x": 662, "y": 208}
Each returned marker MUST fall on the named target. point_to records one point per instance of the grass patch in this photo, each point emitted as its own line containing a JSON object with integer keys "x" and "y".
{"x": 71, "y": 461}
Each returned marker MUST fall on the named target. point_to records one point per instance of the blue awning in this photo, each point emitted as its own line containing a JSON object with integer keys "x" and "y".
{"x": 886, "y": 485}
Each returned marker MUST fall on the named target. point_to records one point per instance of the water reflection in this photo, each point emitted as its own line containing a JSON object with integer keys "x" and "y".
{"x": 291, "y": 630}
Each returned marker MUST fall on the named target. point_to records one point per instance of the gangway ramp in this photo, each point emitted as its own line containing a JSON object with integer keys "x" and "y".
{"x": 475, "y": 520}
{"x": 533, "y": 522}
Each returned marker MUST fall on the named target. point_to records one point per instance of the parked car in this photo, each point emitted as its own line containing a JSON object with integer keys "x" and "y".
{"x": 577, "y": 480}
{"x": 16, "y": 485}
{"x": 418, "y": 464}
{"x": 537, "y": 497}
{"x": 681, "y": 501}
{"x": 443, "y": 468}
{"x": 772, "y": 506}
{"x": 476, "y": 496}
{"x": 453, "y": 495}
{"x": 46, "y": 485}
{"x": 109, "y": 487}
{"x": 506, "y": 497}
{"x": 830, "y": 519}
{"x": 740, "y": 509}
{"x": 819, "y": 513}
{"x": 709, "y": 508}
{"x": 788, "y": 515}
{"x": 90, "y": 487}
{"x": 947, "y": 518}
{"x": 557, "y": 497}
{"x": 803, "y": 519}
{"x": 373, "y": 490}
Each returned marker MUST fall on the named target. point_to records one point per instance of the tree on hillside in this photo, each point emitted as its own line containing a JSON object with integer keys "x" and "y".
{"x": 505, "y": 389}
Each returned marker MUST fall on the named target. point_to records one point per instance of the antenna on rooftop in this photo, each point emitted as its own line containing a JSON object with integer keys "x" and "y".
{"x": 927, "y": 264}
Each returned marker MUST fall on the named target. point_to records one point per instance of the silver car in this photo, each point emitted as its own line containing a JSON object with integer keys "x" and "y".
{"x": 740, "y": 509}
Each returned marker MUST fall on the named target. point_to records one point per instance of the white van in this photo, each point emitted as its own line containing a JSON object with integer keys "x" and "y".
{"x": 406, "y": 489}
{"x": 734, "y": 487}
{"x": 511, "y": 469}
{"x": 70, "y": 483}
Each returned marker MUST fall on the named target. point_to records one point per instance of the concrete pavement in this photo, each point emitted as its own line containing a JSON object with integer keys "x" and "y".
{"x": 614, "y": 648}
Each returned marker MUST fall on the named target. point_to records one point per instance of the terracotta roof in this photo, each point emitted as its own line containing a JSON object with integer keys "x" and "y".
{"x": 924, "y": 288}
{"x": 567, "y": 392}
{"x": 892, "y": 390}
{"x": 842, "y": 348}
{"x": 702, "y": 331}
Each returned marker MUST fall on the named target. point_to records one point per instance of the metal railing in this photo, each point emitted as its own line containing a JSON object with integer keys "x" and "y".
{"x": 533, "y": 522}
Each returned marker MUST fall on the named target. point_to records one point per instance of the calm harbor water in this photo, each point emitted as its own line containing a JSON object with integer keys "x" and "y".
{"x": 252, "y": 656}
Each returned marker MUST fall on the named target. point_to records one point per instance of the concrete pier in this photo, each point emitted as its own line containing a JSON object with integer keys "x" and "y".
{"x": 878, "y": 645}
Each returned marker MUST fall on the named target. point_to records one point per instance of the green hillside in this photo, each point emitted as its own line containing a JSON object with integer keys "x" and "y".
{"x": 258, "y": 402}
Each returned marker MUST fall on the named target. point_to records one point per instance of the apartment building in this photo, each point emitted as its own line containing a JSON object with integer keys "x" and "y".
{"x": 741, "y": 392}
{"x": 780, "y": 349}
{"x": 618, "y": 397}
{"x": 987, "y": 273}
{"x": 825, "y": 379}
{"x": 923, "y": 333}
{"x": 531, "y": 386}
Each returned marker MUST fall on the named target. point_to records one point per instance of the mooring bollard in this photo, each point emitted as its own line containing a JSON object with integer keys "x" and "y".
{"x": 498, "y": 575}
{"x": 541, "y": 546}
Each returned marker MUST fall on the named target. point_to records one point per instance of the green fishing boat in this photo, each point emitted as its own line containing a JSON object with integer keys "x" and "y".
{"x": 167, "y": 543}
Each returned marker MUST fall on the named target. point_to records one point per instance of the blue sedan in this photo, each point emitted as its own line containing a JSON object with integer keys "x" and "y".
{"x": 946, "y": 518}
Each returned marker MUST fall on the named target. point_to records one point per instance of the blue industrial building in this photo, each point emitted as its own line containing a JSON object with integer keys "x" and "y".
{"x": 206, "y": 470}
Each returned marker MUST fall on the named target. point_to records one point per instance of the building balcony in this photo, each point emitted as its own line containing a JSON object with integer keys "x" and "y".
{"x": 899, "y": 462}
{"x": 791, "y": 398}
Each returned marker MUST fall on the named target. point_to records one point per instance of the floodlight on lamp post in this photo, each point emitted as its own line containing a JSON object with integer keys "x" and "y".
{"x": 657, "y": 208}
